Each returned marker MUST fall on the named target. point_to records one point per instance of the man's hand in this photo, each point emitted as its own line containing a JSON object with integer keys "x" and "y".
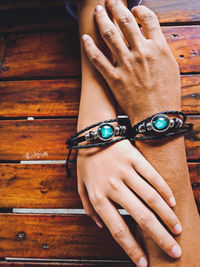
{"x": 145, "y": 79}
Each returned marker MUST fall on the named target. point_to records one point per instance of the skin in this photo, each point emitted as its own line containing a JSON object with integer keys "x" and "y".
{"x": 121, "y": 171}
{"x": 145, "y": 80}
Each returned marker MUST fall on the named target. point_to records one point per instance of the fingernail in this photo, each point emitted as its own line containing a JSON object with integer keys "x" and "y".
{"x": 177, "y": 228}
{"x": 85, "y": 37}
{"x": 176, "y": 252}
{"x": 98, "y": 8}
{"x": 172, "y": 201}
{"x": 99, "y": 224}
{"x": 142, "y": 262}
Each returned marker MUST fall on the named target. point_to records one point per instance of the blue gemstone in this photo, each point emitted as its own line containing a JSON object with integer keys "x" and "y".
{"x": 160, "y": 122}
{"x": 106, "y": 131}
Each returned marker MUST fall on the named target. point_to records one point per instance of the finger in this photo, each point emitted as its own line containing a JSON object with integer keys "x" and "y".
{"x": 118, "y": 228}
{"x": 146, "y": 220}
{"x": 110, "y": 34}
{"x": 87, "y": 204}
{"x": 149, "y": 22}
{"x": 142, "y": 166}
{"x": 126, "y": 22}
{"x": 154, "y": 200}
{"x": 97, "y": 58}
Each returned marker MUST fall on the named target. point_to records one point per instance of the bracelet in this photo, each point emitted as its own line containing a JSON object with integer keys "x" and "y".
{"x": 160, "y": 125}
{"x": 156, "y": 126}
{"x": 105, "y": 133}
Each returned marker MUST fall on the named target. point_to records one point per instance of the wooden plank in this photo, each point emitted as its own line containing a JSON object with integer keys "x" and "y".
{"x": 61, "y": 97}
{"x": 46, "y": 186}
{"x": 58, "y": 236}
{"x": 43, "y": 98}
{"x": 45, "y": 139}
{"x": 102, "y": 263}
{"x": 57, "y": 54}
{"x": 172, "y": 11}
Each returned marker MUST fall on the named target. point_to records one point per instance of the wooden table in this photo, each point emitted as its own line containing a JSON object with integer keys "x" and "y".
{"x": 39, "y": 100}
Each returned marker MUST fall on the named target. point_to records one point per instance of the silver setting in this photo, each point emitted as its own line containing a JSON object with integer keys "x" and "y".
{"x": 141, "y": 128}
{"x": 123, "y": 130}
{"x": 95, "y": 135}
{"x": 117, "y": 130}
{"x": 87, "y": 137}
{"x": 160, "y": 115}
{"x": 99, "y": 135}
{"x": 171, "y": 123}
{"x": 181, "y": 122}
{"x": 149, "y": 127}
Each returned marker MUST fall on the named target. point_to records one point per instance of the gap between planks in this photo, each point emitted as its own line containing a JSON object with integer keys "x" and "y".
{"x": 57, "y": 211}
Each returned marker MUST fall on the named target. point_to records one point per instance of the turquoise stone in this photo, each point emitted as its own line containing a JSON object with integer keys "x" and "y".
{"x": 106, "y": 131}
{"x": 160, "y": 122}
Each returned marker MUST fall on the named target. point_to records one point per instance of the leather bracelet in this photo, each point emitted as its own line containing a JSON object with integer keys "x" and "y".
{"x": 156, "y": 126}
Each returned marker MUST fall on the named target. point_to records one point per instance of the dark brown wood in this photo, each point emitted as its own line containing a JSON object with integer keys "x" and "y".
{"x": 57, "y": 54}
{"x": 101, "y": 263}
{"x": 172, "y": 11}
{"x": 58, "y": 236}
{"x": 41, "y": 98}
{"x": 46, "y": 186}
{"x": 61, "y": 97}
{"x": 45, "y": 139}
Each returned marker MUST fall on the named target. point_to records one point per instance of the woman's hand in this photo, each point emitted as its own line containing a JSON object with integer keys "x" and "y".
{"x": 112, "y": 173}
{"x": 145, "y": 79}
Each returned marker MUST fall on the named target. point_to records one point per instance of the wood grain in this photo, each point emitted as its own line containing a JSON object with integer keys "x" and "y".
{"x": 61, "y": 97}
{"x": 36, "y": 55}
{"x": 45, "y": 139}
{"x": 81, "y": 264}
{"x": 57, "y": 236}
{"x": 172, "y": 11}
{"x": 46, "y": 186}
{"x": 44, "y": 98}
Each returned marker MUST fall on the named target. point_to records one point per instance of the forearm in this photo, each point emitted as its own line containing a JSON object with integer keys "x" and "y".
{"x": 170, "y": 161}
{"x": 97, "y": 102}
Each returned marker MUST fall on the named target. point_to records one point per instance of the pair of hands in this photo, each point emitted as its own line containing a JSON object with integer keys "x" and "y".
{"x": 145, "y": 80}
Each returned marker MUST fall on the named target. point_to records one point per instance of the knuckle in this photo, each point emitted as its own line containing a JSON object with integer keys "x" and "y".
{"x": 151, "y": 198}
{"x": 144, "y": 220}
{"x": 147, "y": 15}
{"x": 126, "y": 19}
{"x": 119, "y": 233}
{"x": 108, "y": 33}
{"x": 114, "y": 184}
{"x": 96, "y": 197}
{"x": 94, "y": 58}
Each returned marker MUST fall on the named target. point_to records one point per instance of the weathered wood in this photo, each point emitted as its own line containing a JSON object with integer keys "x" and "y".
{"x": 81, "y": 264}
{"x": 43, "y": 98}
{"x": 172, "y": 11}
{"x": 61, "y": 97}
{"x": 57, "y": 236}
{"x": 45, "y": 139}
{"x": 46, "y": 186}
{"x": 57, "y": 54}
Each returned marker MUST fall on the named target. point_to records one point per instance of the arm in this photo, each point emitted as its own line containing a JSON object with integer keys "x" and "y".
{"x": 144, "y": 81}
{"x": 116, "y": 167}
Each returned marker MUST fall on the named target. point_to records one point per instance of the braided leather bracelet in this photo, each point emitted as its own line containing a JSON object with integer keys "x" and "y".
{"x": 156, "y": 126}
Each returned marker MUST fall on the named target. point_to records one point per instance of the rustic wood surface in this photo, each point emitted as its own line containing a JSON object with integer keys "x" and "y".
{"x": 109, "y": 263}
{"x": 46, "y": 186}
{"x": 167, "y": 12}
{"x": 45, "y": 139}
{"x": 58, "y": 236}
{"x": 57, "y": 54}
{"x": 61, "y": 97}
{"x": 40, "y": 77}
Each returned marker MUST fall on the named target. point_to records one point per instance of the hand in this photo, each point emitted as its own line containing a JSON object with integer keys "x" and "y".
{"x": 145, "y": 79}
{"x": 111, "y": 174}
